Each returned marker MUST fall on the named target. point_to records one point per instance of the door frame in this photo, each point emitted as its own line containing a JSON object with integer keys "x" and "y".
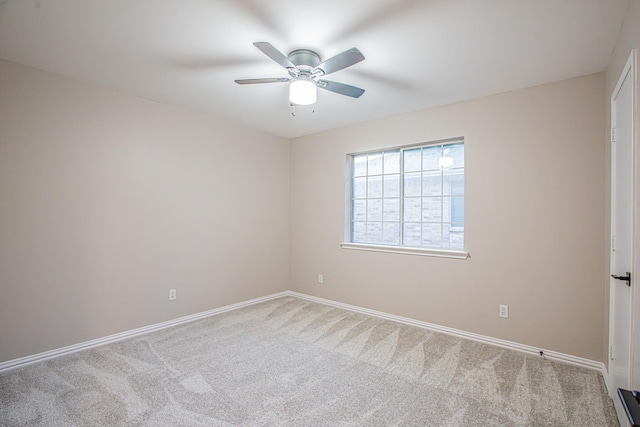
{"x": 634, "y": 345}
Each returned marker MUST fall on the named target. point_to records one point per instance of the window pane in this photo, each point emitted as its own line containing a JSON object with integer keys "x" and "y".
{"x": 411, "y": 234}
{"x": 432, "y": 183}
{"x": 453, "y": 236}
{"x": 413, "y": 184}
{"x": 457, "y": 210}
{"x": 432, "y": 209}
{"x": 375, "y": 164}
{"x": 431, "y": 157}
{"x": 391, "y": 210}
{"x": 391, "y": 185}
{"x": 374, "y": 232}
{"x": 374, "y": 186}
{"x": 374, "y": 210}
{"x": 359, "y": 210}
{"x": 392, "y": 162}
{"x": 412, "y": 160}
{"x": 412, "y": 209}
{"x": 359, "y": 232}
{"x": 360, "y": 165}
{"x": 453, "y": 182}
{"x": 457, "y": 152}
{"x": 446, "y": 236}
{"x": 359, "y": 188}
{"x": 457, "y": 245}
{"x": 391, "y": 233}
{"x": 432, "y": 235}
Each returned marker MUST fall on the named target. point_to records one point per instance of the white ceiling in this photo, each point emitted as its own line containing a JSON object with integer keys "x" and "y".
{"x": 419, "y": 53}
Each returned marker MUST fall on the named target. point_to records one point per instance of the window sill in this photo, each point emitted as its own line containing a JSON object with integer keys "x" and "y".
{"x": 441, "y": 253}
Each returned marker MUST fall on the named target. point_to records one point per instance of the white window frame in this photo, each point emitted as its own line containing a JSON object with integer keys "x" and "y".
{"x": 397, "y": 249}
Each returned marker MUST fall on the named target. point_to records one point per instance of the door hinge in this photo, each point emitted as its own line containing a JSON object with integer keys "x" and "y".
{"x": 613, "y": 243}
{"x": 611, "y": 352}
{"x": 613, "y": 134}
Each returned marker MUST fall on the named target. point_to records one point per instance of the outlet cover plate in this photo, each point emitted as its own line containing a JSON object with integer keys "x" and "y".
{"x": 504, "y": 311}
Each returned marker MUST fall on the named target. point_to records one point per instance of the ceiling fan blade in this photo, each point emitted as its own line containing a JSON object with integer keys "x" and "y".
{"x": 341, "y": 61}
{"x": 274, "y": 54}
{"x": 258, "y": 81}
{"x": 341, "y": 88}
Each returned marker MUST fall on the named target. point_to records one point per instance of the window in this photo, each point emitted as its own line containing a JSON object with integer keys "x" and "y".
{"x": 408, "y": 197}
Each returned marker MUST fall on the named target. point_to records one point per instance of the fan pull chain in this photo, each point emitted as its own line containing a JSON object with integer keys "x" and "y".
{"x": 294, "y": 112}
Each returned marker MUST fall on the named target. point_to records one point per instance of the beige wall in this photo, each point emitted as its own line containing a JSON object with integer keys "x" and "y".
{"x": 534, "y": 219}
{"x": 629, "y": 39}
{"x": 107, "y": 201}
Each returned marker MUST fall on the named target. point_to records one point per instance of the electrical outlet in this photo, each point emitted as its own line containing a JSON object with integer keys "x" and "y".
{"x": 504, "y": 311}
{"x": 320, "y": 279}
{"x": 172, "y": 294}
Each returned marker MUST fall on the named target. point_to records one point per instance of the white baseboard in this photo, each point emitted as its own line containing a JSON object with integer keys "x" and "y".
{"x": 551, "y": 355}
{"x": 523, "y": 348}
{"x": 41, "y": 357}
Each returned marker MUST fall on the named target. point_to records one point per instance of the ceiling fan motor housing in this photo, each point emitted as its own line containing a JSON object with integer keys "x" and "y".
{"x": 304, "y": 59}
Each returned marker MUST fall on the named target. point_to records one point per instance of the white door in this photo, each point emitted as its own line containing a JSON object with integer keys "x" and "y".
{"x": 622, "y": 232}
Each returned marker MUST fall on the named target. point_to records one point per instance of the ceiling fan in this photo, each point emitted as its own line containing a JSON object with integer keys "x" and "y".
{"x": 306, "y": 72}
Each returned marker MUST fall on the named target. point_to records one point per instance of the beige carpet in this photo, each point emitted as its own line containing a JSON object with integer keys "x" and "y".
{"x": 291, "y": 362}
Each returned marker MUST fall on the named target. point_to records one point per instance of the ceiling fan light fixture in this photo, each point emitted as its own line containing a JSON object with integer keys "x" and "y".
{"x": 302, "y": 92}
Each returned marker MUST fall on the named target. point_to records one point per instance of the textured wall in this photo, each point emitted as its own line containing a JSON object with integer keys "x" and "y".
{"x": 534, "y": 219}
{"x": 108, "y": 201}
